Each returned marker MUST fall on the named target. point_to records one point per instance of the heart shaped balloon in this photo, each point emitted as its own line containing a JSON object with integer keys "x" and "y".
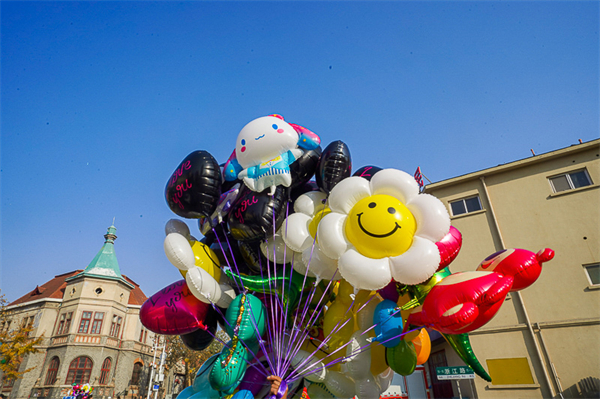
{"x": 174, "y": 310}
{"x": 193, "y": 190}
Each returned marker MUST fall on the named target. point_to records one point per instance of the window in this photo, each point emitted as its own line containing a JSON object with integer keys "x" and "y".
{"x": 570, "y": 181}
{"x": 97, "y": 324}
{"x": 593, "y": 273}
{"x": 105, "y": 371}
{"x": 115, "y": 327}
{"x": 64, "y": 323}
{"x": 52, "y": 371}
{"x": 135, "y": 376}
{"x": 465, "y": 205}
{"x": 79, "y": 371}
{"x": 84, "y": 325}
{"x": 143, "y": 335}
{"x": 515, "y": 371}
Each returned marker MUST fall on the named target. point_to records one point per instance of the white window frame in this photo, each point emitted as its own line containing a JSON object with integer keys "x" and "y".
{"x": 587, "y": 274}
{"x": 569, "y": 180}
{"x": 465, "y": 205}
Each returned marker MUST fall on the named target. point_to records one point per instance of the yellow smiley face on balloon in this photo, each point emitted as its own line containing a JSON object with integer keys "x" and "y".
{"x": 380, "y": 226}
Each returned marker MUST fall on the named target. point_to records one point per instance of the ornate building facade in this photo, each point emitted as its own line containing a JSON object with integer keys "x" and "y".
{"x": 91, "y": 333}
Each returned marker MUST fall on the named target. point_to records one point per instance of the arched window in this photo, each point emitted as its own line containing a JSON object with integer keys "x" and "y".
{"x": 52, "y": 371}
{"x": 137, "y": 371}
{"x": 79, "y": 371}
{"x": 105, "y": 371}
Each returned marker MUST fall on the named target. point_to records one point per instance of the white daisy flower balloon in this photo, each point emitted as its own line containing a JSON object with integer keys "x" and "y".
{"x": 299, "y": 233}
{"x": 383, "y": 229}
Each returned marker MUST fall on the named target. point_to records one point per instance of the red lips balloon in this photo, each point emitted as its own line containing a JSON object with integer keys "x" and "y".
{"x": 174, "y": 310}
{"x": 449, "y": 247}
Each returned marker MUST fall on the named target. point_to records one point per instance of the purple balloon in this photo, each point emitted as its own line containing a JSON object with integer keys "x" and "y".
{"x": 389, "y": 292}
{"x": 253, "y": 381}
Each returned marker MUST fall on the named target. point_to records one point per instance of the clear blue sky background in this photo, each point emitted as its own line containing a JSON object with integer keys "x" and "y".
{"x": 102, "y": 100}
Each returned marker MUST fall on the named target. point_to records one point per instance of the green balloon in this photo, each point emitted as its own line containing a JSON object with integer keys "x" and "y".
{"x": 402, "y": 358}
{"x": 279, "y": 285}
{"x": 462, "y": 346}
{"x": 246, "y": 314}
{"x": 229, "y": 369}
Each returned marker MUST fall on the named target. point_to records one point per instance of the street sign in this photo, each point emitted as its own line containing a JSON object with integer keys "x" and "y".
{"x": 455, "y": 373}
{"x": 155, "y": 387}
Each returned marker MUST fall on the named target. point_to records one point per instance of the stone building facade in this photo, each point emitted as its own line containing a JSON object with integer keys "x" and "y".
{"x": 91, "y": 333}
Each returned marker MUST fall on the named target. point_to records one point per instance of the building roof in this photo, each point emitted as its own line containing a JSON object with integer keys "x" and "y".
{"x": 516, "y": 164}
{"x": 136, "y": 297}
{"x": 54, "y": 288}
{"x": 105, "y": 264}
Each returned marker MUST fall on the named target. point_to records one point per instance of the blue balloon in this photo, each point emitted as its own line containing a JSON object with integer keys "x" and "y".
{"x": 186, "y": 393}
{"x": 387, "y": 324}
{"x": 201, "y": 382}
{"x": 243, "y": 394}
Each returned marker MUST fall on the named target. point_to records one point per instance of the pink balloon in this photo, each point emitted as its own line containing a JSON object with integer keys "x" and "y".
{"x": 174, "y": 310}
{"x": 449, "y": 247}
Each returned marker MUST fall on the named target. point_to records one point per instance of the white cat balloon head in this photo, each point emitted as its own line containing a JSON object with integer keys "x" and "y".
{"x": 263, "y": 139}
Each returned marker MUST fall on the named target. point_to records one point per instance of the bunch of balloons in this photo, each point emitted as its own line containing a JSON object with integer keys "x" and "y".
{"x": 81, "y": 391}
{"x": 327, "y": 286}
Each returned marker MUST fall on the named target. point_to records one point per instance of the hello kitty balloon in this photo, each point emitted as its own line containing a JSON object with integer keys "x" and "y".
{"x": 264, "y": 151}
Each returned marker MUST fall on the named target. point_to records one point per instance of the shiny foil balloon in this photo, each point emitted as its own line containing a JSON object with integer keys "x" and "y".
{"x": 462, "y": 346}
{"x": 367, "y": 172}
{"x": 174, "y": 310}
{"x": 193, "y": 190}
{"x": 201, "y": 339}
{"x": 335, "y": 165}
{"x": 251, "y": 218}
{"x": 246, "y": 314}
{"x": 305, "y": 167}
{"x": 449, "y": 247}
{"x": 229, "y": 369}
{"x": 402, "y": 358}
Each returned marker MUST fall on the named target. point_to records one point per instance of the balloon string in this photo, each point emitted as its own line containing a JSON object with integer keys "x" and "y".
{"x": 227, "y": 259}
{"x": 287, "y": 303}
{"x": 269, "y": 317}
{"x": 280, "y": 328}
{"x": 306, "y": 305}
{"x": 353, "y": 353}
{"x": 331, "y": 334}
{"x": 314, "y": 316}
{"x": 302, "y": 363}
{"x": 334, "y": 331}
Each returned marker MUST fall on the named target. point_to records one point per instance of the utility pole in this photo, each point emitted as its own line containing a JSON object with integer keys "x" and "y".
{"x": 161, "y": 376}
{"x": 156, "y": 345}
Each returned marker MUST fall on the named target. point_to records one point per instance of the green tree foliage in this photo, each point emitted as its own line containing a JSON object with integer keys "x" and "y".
{"x": 15, "y": 343}
{"x": 191, "y": 360}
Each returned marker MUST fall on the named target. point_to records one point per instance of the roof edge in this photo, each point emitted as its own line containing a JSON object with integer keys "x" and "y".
{"x": 515, "y": 164}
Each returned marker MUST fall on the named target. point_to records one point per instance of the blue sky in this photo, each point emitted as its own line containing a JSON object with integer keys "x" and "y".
{"x": 102, "y": 100}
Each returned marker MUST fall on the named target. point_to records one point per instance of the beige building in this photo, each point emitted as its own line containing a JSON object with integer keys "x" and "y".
{"x": 545, "y": 340}
{"x": 89, "y": 322}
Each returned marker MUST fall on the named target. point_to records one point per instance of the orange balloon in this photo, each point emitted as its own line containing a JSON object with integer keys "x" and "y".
{"x": 422, "y": 346}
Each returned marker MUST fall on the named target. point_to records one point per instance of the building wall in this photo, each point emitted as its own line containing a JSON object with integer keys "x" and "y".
{"x": 564, "y": 311}
{"x": 81, "y": 295}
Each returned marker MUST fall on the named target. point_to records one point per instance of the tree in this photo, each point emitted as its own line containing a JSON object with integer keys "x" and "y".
{"x": 14, "y": 344}
{"x": 177, "y": 352}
